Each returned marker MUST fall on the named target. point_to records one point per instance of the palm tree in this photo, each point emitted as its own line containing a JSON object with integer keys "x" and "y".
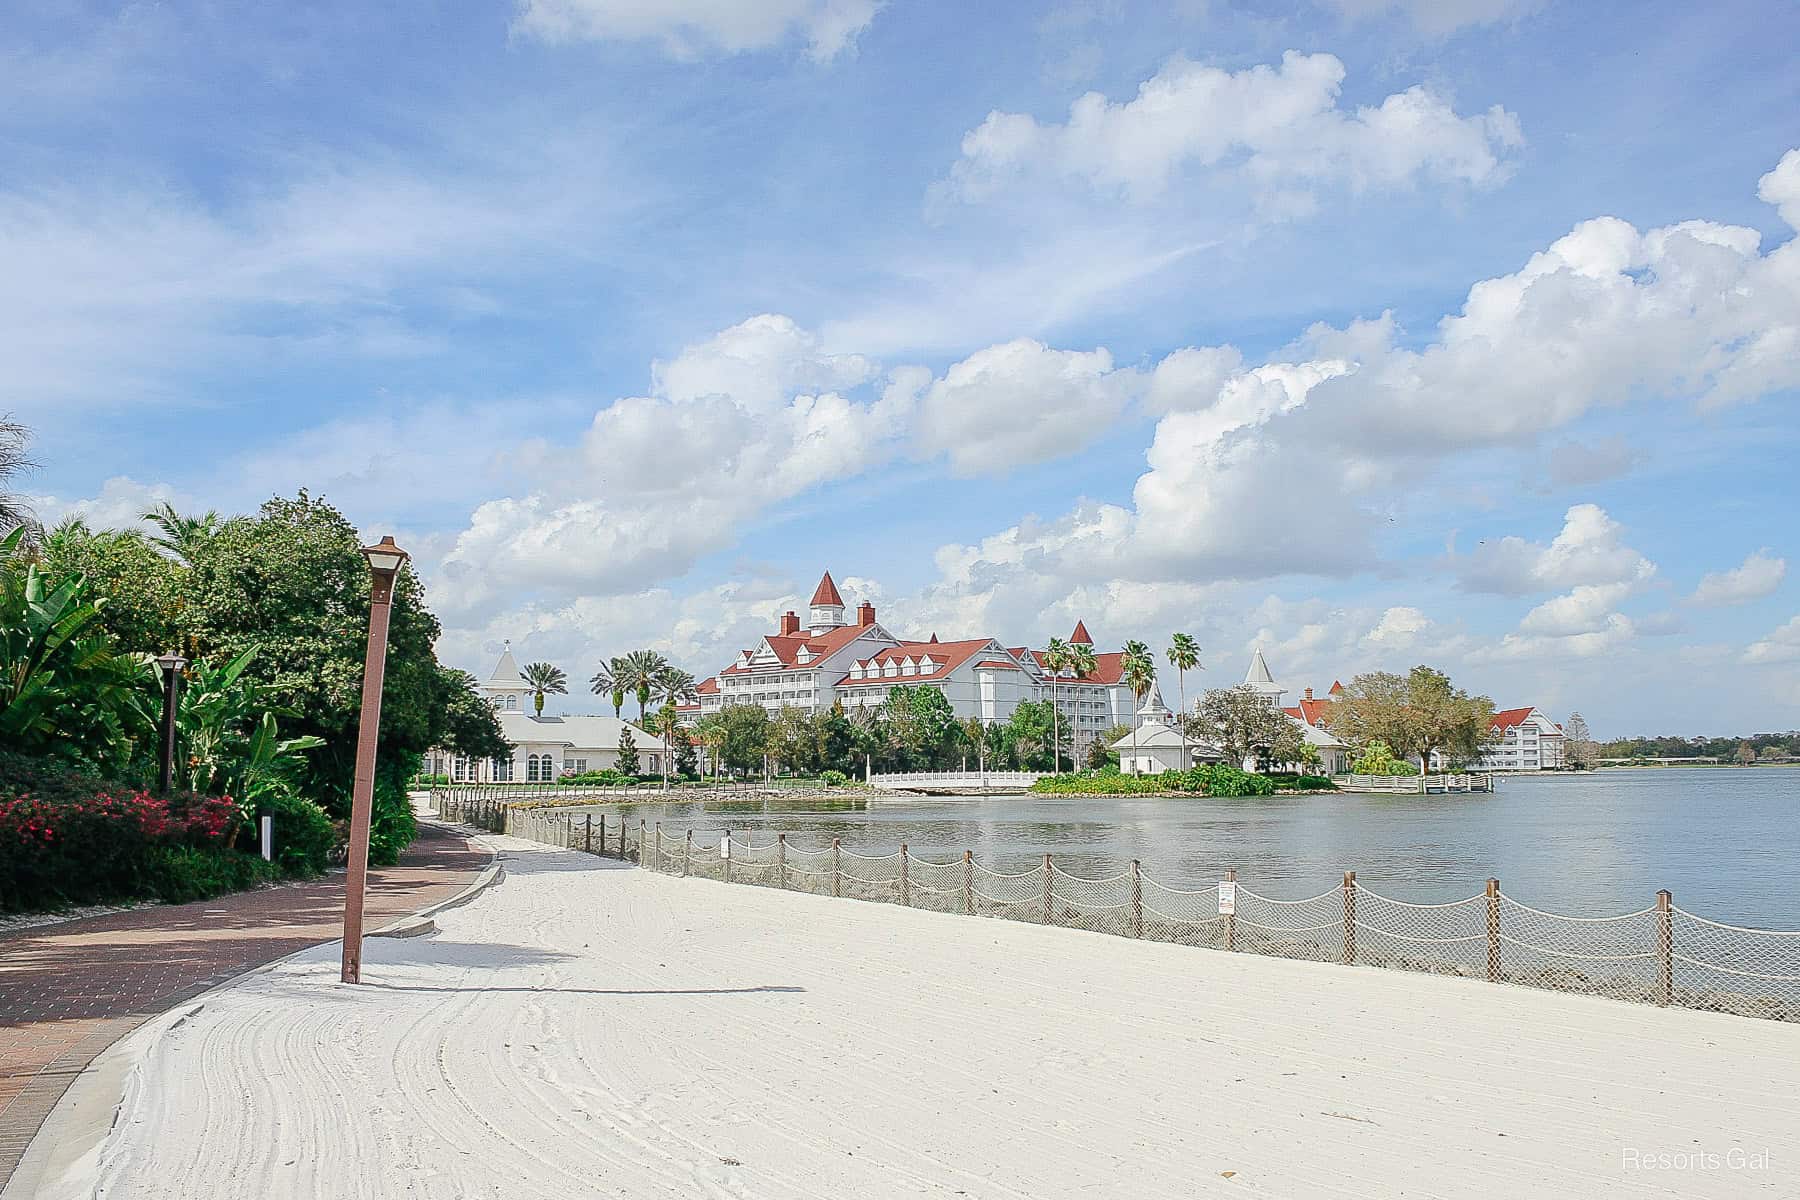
{"x": 1184, "y": 656}
{"x": 1056, "y": 661}
{"x": 664, "y": 725}
{"x": 1082, "y": 664}
{"x": 602, "y": 683}
{"x": 544, "y": 680}
{"x": 674, "y": 685}
{"x": 182, "y": 536}
{"x": 637, "y": 672}
{"x": 615, "y": 670}
{"x": 13, "y": 462}
{"x": 1138, "y": 670}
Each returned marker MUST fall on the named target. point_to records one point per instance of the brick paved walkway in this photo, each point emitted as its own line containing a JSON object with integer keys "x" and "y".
{"x": 69, "y": 991}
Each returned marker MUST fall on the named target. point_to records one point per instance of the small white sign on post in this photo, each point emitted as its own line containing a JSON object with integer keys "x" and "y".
{"x": 1227, "y": 898}
{"x": 725, "y": 846}
{"x": 268, "y": 839}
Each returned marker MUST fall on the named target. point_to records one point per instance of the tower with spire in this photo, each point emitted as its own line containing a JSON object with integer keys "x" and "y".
{"x": 1259, "y": 680}
{"x": 827, "y": 612}
{"x": 506, "y": 689}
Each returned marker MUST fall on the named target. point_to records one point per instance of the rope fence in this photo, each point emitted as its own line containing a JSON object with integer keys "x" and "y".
{"x": 1660, "y": 954}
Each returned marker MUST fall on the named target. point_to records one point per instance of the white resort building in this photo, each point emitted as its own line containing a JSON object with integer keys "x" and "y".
{"x": 544, "y": 748}
{"x": 830, "y": 660}
{"x": 1527, "y": 741}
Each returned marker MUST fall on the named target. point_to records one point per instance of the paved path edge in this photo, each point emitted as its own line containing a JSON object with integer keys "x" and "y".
{"x": 63, "y": 1156}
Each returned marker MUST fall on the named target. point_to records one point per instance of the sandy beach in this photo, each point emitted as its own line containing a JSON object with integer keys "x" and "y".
{"x": 588, "y": 1029}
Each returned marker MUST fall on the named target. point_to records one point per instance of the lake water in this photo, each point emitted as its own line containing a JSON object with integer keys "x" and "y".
{"x": 1725, "y": 841}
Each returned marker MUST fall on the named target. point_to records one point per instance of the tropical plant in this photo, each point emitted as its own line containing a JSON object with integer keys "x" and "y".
{"x": 1137, "y": 669}
{"x": 1184, "y": 656}
{"x": 675, "y": 686}
{"x": 1056, "y": 660}
{"x": 601, "y": 682}
{"x": 65, "y": 691}
{"x": 182, "y": 537}
{"x": 637, "y": 672}
{"x": 544, "y": 680}
{"x": 1082, "y": 664}
{"x": 14, "y": 461}
{"x": 1377, "y": 758}
{"x": 666, "y": 724}
{"x": 227, "y": 738}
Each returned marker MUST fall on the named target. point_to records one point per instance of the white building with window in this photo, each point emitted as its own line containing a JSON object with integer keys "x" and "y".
{"x": 544, "y": 748}
{"x": 830, "y": 660}
{"x": 1527, "y": 741}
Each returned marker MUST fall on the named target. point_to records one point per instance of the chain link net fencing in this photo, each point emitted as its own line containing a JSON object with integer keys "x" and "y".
{"x": 1658, "y": 955}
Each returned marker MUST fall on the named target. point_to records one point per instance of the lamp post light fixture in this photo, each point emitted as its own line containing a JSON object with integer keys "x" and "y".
{"x": 385, "y": 560}
{"x": 172, "y": 665}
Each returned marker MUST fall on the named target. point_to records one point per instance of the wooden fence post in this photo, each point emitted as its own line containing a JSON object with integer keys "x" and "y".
{"x": 640, "y": 852}
{"x": 1231, "y": 917}
{"x": 1349, "y": 916}
{"x": 781, "y": 859}
{"x": 687, "y": 857}
{"x": 1047, "y": 892}
{"x": 603, "y": 834}
{"x": 1137, "y": 901}
{"x": 836, "y": 885}
{"x": 1665, "y": 947}
{"x": 1493, "y": 930}
{"x": 968, "y": 883}
{"x": 905, "y": 889}
{"x": 727, "y": 844}
{"x": 659, "y": 851}
{"x": 587, "y": 838}
{"x": 621, "y": 835}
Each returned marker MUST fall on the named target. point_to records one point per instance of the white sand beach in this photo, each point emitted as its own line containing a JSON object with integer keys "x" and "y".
{"x": 589, "y": 1029}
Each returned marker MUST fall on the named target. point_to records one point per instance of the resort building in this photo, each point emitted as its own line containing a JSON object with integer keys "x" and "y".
{"x": 1158, "y": 746}
{"x": 1527, "y": 741}
{"x": 544, "y": 748}
{"x": 830, "y": 660}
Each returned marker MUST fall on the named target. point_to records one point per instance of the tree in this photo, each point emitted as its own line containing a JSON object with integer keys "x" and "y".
{"x": 1034, "y": 735}
{"x": 601, "y": 683}
{"x": 837, "y": 741}
{"x": 628, "y": 755}
{"x": 1138, "y": 672}
{"x": 1057, "y": 659}
{"x": 470, "y": 727}
{"x": 637, "y": 672}
{"x": 1100, "y": 752}
{"x": 675, "y": 686}
{"x": 146, "y": 590}
{"x": 1378, "y": 759}
{"x": 1244, "y": 726}
{"x": 1184, "y": 656}
{"x": 1578, "y": 745}
{"x": 1419, "y": 713}
{"x": 666, "y": 724}
{"x": 685, "y": 762}
{"x": 1083, "y": 664}
{"x": 921, "y": 725}
{"x": 1746, "y": 755}
{"x": 14, "y": 462}
{"x": 545, "y": 680}
{"x": 792, "y": 742}
{"x": 183, "y": 538}
{"x": 743, "y": 736}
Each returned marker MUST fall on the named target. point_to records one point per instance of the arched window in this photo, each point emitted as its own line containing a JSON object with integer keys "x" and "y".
{"x": 531, "y": 768}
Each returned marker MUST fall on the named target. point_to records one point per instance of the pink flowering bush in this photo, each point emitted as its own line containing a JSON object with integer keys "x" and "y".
{"x": 66, "y": 838}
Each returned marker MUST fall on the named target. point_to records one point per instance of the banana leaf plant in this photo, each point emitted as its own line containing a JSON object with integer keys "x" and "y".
{"x": 227, "y": 734}
{"x": 65, "y": 691}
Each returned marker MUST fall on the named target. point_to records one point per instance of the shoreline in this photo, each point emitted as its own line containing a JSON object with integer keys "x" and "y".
{"x": 589, "y": 1028}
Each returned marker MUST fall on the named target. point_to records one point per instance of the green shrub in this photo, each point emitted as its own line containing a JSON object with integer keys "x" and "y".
{"x": 178, "y": 874}
{"x": 1315, "y": 783}
{"x": 1378, "y": 759}
{"x": 304, "y": 838}
{"x": 833, "y": 778}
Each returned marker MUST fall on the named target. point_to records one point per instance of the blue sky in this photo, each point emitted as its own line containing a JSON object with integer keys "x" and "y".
{"x": 1375, "y": 333}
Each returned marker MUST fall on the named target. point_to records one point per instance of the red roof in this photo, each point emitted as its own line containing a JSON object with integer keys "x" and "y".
{"x": 951, "y": 654}
{"x": 998, "y": 664}
{"x": 826, "y": 592}
{"x": 1311, "y": 711}
{"x": 1337, "y": 689}
{"x": 1109, "y": 668}
{"x": 1511, "y": 717}
{"x": 1080, "y": 636}
{"x": 786, "y": 646}
{"x": 707, "y": 687}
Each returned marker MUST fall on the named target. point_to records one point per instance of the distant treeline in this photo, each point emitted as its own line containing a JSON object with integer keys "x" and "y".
{"x": 1764, "y": 745}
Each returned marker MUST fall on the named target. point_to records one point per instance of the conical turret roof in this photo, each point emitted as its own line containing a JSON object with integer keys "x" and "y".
{"x": 506, "y": 671}
{"x": 826, "y": 592}
{"x": 1080, "y": 637}
{"x": 1259, "y": 669}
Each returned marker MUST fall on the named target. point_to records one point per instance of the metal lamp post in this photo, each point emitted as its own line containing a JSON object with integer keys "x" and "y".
{"x": 172, "y": 665}
{"x": 385, "y": 560}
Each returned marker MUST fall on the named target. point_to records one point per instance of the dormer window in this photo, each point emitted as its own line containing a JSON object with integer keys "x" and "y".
{"x": 890, "y": 669}
{"x": 926, "y": 666}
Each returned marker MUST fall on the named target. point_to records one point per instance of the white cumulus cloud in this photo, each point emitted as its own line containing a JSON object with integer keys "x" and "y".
{"x": 1758, "y": 576}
